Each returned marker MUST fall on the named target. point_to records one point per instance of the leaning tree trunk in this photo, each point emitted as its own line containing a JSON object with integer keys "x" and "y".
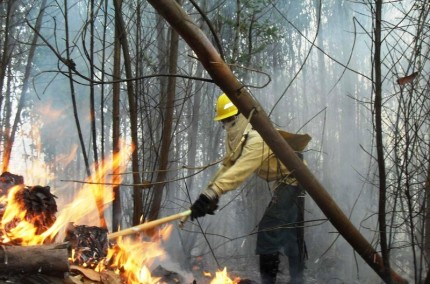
{"x": 226, "y": 80}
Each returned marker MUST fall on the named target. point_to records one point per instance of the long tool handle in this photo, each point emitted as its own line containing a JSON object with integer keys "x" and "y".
{"x": 148, "y": 225}
{"x": 183, "y": 220}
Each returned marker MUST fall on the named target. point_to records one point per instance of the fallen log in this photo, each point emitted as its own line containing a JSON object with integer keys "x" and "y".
{"x": 48, "y": 259}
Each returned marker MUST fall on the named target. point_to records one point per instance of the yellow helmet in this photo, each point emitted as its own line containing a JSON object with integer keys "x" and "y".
{"x": 224, "y": 108}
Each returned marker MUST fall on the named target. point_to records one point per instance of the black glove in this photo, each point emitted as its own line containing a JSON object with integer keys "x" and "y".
{"x": 203, "y": 205}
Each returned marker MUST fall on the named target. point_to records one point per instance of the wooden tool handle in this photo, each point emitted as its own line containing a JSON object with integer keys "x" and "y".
{"x": 148, "y": 225}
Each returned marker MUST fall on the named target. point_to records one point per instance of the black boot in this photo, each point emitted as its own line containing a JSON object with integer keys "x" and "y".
{"x": 296, "y": 267}
{"x": 269, "y": 264}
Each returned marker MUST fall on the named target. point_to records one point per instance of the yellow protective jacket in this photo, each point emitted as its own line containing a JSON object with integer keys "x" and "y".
{"x": 252, "y": 155}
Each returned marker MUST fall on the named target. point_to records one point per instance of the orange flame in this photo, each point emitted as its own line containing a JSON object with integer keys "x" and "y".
{"x": 222, "y": 278}
{"x": 83, "y": 206}
{"x": 131, "y": 258}
{"x": 13, "y": 223}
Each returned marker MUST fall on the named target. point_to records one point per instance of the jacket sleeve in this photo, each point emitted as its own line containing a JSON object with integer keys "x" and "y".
{"x": 254, "y": 152}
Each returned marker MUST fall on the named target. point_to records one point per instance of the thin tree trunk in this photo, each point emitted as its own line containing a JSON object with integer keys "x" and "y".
{"x": 380, "y": 146}
{"x": 194, "y": 122}
{"x": 137, "y": 188}
{"x": 236, "y": 38}
{"x": 166, "y": 135}
{"x": 116, "y": 204}
{"x": 92, "y": 99}
{"x": 223, "y": 77}
{"x": 6, "y": 53}
{"x": 11, "y": 138}
{"x": 104, "y": 126}
{"x": 427, "y": 215}
{"x": 72, "y": 93}
{"x": 5, "y": 125}
{"x": 99, "y": 199}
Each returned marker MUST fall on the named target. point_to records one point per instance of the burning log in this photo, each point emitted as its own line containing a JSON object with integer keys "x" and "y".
{"x": 40, "y": 205}
{"x": 33, "y": 204}
{"x": 47, "y": 259}
{"x": 89, "y": 244}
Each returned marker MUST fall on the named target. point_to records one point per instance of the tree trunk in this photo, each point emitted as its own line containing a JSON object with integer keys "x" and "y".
{"x": 73, "y": 95}
{"x": 226, "y": 80}
{"x": 427, "y": 217}
{"x": 6, "y": 52}
{"x": 137, "y": 188}
{"x": 5, "y": 123}
{"x": 379, "y": 144}
{"x": 166, "y": 135}
{"x": 116, "y": 204}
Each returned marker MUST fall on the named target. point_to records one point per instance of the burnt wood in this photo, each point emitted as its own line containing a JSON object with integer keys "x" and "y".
{"x": 46, "y": 259}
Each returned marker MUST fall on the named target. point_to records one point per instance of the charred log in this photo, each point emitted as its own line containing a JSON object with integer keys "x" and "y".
{"x": 46, "y": 259}
{"x": 89, "y": 244}
{"x": 166, "y": 276}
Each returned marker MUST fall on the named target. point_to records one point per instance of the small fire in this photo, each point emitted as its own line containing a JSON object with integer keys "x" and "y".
{"x": 15, "y": 226}
{"x": 131, "y": 258}
{"x": 13, "y": 223}
{"x": 222, "y": 278}
{"x": 128, "y": 257}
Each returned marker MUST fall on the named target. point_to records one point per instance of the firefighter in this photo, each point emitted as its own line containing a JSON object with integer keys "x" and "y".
{"x": 280, "y": 229}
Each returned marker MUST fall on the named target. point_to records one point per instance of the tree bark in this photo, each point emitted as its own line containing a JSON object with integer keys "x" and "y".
{"x": 166, "y": 134}
{"x": 226, "y": 80}
{"x": 116, "y": 204}
{"x": 427, "y": 221}
{"x": 6, "y": 52}
{"x": 34, "y": 259}
{"x": 72, "y": 92}
{"x": 380, "y": 146}
{"x": 137, "y": 188}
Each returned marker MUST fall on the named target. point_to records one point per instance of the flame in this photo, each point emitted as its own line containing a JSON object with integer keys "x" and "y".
{"x": 131, "y": 257}
{"x": 222, "y": 278}
{"x": 207, "y": 274}
{"x": 81, "y": 207}
{"x": 14, "y": 224}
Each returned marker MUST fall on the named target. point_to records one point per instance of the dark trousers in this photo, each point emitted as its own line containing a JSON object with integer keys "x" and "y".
{"x": 281, "y": 230}
{"x": 269, "y": 267}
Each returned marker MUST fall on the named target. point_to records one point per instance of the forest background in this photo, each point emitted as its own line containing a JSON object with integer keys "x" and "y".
{"x": 78, "y": 79}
